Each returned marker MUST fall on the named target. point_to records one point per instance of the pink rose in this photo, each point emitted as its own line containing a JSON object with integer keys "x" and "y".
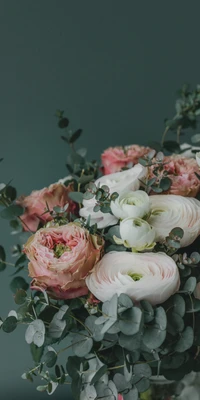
{"x": 36, "y": 204}
{"x": 116, "y": 158}
{"x": 61, "y": 258}
{"x": 181, "y": 170}
{"x": 120, "y": 397}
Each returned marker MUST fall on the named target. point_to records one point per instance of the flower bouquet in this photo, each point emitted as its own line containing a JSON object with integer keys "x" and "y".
{"x": 112, "y": 252}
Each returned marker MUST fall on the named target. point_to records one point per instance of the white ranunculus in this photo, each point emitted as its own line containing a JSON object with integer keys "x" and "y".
{"x": 170, "y": 211}
{"x": 124, "y": 181}
{"x": 101, "y": 219}
{"x": 119, "y": 182}
{"x": 198, "y": 158}
{"x": 132, "y": 204}
{"x": 142, "y": 276}
{"x": 136, "y": 234}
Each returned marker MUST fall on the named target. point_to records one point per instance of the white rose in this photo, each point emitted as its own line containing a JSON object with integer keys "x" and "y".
{"x": 142, "y": 276}
{"x": 132, "y": 204}
{"x": 136, "y": 234}
{"x": 170, "y": 211}
{"x": 119, "y": 182}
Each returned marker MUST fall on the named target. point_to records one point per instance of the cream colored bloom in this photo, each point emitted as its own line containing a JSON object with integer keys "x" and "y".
{"x": 136, "y": 234}
{"x": 142, "y": 276}
{"x": 119, "y": 182}
{"x": 132, "y": 204}
{"x": 171, "y": 211}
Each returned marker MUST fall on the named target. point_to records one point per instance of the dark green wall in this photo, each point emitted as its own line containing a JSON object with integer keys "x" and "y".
{"x": 114, "y": 67}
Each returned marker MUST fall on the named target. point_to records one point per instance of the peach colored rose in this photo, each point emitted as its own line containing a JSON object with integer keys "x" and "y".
{"x": 36, "y": 203}
{"x": 116, "y": 158}
{"x": 181, "y": 170}
{"x": 60, "y": 259}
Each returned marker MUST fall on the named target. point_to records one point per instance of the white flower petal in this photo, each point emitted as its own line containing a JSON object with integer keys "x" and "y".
{"x": 159, "y": 276}
{"x": 170, "y": 211}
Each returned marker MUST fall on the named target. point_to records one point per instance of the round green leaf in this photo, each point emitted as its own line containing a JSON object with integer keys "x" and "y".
{"x": 153, "y": 337}
{"x": 186, "y": 340}
{"x": 50, "y": 359}
{"x": 82, "y": 344}
{"x": 130, "y": 321}
{"x": 190, "y": 285}
{"x": 20, "y": 296}
{"x": 148, "y": 311}
{"x": 142, "y": 370}
{"x": 12, "y": 211}
{"x": 18, "y": 283}
{"x": 10, "y": 324}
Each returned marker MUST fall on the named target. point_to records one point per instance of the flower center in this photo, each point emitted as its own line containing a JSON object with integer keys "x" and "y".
{"x": 135, "y": 277}
{"x": 59, "y": 249}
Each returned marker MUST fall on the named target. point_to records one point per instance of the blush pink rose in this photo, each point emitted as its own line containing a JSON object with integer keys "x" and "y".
{"x": 116, "y": 158}
{"x": 35, "y": 204}
{"x": 61, "y": 258}
{"x": 181, "y": 170}
{"x": 120, "y": 397}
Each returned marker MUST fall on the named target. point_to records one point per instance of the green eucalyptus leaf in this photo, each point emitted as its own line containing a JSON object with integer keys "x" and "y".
{"x": 175, "y": 324}
{"x": 50, "y": 359}
{"x": 76, "y": 196}
{"x": 10, "y": 324}
{"x": 153, "y": 337}
{"x": 142, "y": 370}
{"x": 75, "y": 136}
{"x": 102, "y": 371}
{"x": 82, "y": 344}
{"x": 190, "y": 285}
{"x": 130, "y": 321}
{"x": 148, "y": 311}
{"x": 179, "y": 304}
{"x": 2, "y": 259}
{"x": 130, "y": 342}
{"x": 20, "y": 296}
{"x": 185, "y": 341}
{"x": 165, "y": 183}
{"x": 131, "y": 395}
{"x": 36, "y": 352}
{"x": 161, "y": 318}
{"x": 12, "y": 211}
{"x": 18, "y": 283}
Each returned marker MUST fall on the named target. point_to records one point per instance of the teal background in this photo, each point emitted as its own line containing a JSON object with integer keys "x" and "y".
{"x": 114, "y": 66}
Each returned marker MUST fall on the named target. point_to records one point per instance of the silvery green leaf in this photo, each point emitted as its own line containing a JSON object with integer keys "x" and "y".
{"x": 56, "y": 327}
{"x": 13, "y": 313}
{"x": 38, "y": 338}
{"x": 63, "y": 309}
{"x": 30, "y": 332}
{"x": 89, "y": 393}
{"x": 90, "y": 323}
{"x": 142, "y": 370}
{"x": 82, "y": 344}
{"x": 52, "y": 388}
{"x": 131, "y": 395}
{"x": 130, "y": 321}
{"x": 108, "y": 324}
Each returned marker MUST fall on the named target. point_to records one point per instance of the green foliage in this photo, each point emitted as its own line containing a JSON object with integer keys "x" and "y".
{"x": 18, "y": 283}
{"x": 2, "y": 259}
{"x": 12, "y": 211}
